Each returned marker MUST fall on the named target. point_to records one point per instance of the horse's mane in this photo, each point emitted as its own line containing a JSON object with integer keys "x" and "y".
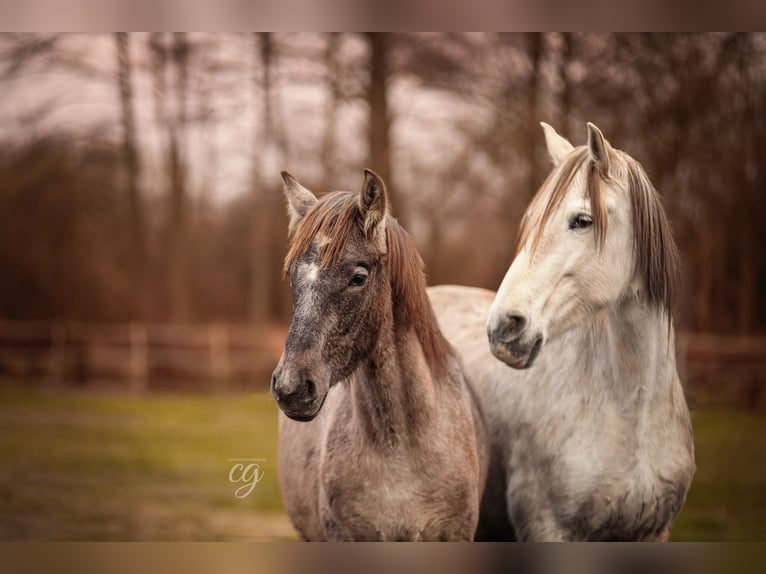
{"x": 334, "y": 219}
{"x": 656, "y": 254}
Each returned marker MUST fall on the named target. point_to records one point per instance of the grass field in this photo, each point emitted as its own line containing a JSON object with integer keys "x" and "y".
{"x": 76, "y": 466}
{"x": 99, "y": 466}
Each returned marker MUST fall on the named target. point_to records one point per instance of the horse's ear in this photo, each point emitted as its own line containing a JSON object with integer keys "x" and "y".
{"x": 299, "y": 200}
{"x": 599, "y": 149}
{"x": 373, "y": 203}
{"x": 558, "y": 146}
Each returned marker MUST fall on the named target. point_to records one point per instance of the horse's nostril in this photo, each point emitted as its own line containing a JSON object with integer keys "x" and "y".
{"x": 515, "y": 324}
{"x": 311, "y": 388}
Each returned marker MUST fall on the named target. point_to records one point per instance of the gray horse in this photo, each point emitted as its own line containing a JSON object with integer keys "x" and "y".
{"x": 590, "y": 432}
{"x": 381, "y": 437}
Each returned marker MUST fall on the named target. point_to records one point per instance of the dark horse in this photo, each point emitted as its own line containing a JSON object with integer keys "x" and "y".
{"x": 380, "y": 436}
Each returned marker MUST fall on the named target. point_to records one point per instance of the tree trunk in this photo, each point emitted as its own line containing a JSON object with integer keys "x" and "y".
{"x": 380, "y": 121}
{"x": 565, "y": 99}
{"x": 179, "y": 236}
{"x": 265, "y": 47}
{"x": 274, "y": 134}
{"x": 746, "y": 184}
{"x": 176, "y": 302}
{"x": 332, "y": 67}
{"x": 535, "y": 53}
{"x": 263, "y": 266}
{"x": 133, "y": 175}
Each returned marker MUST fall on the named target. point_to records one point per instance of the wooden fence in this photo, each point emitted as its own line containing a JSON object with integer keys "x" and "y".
{"x": 140, "y": 357}
{"x": 721, "y": 370}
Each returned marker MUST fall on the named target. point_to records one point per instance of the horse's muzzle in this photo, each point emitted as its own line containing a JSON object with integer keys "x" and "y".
{"x": 510, "y": 342}
{"x": 296, "y": 393}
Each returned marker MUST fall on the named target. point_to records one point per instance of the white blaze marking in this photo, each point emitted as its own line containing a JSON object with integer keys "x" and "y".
{"x": 311, "y": 272}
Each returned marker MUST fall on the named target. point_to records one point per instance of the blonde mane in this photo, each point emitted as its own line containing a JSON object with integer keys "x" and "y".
{"x": 654, "y": 248}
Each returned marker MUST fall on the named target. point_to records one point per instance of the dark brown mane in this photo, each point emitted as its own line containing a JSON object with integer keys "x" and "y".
{"x": 654, "y": 247}
{"x": 334, "y": 218}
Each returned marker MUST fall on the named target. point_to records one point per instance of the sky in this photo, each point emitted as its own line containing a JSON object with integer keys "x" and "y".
{"x": 220, "y": 152}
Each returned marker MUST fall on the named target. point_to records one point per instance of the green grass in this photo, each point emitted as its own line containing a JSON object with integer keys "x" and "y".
{"x": 76, "y": 466}
{"x": 106, "y": 466}
{"x": 727, "y": 500}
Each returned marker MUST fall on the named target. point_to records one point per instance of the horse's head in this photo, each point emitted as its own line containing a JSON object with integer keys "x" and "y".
{"x": 594, "y": 236}
{"x": 339, "y": 284}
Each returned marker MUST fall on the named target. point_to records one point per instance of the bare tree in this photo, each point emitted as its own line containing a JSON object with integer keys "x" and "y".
{"x": 332, "y": 71}
{"x": 173, "y": 59}
{"x": 565, "y": 94}
{"x": 746, "y": 178}
{"x": 266, "y": 198}
{"x": 688, "y": 106}
{"x": 534, "y": 48}
{"x": 133, "y": 171}
{"x": 380, "y": 120}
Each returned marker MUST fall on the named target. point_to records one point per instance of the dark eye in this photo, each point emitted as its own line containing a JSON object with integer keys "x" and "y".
{"x": 359, "y": 278}
{"x": 581, "y": 221}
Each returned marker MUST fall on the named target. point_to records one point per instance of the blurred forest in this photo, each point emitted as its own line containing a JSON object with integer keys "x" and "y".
{"x": 139, "y": 173}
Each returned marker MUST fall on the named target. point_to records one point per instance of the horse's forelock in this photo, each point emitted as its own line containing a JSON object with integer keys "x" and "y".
{"x": 552, "y": 193}
{"x": 334, "y": 219}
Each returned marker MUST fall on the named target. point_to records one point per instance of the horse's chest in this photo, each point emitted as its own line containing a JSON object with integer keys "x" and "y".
{"x": 578, "y": 473}
{"x": 602, "y": 495}
{"x": 391, "y": 499}
{"x": 627, "y": 507}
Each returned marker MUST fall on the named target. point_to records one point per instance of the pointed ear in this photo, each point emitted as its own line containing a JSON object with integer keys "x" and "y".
{"x": 299, "y": 200}
{"x": 599, "y": 149}
{"x": 373, "y": 204}
{"x": 558, "y": 147}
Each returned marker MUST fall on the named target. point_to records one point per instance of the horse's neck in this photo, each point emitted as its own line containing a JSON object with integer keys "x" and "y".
{"x": 627, "y": 353}
{"x": 620, "y": 373}
{"x": 393, "y": 390}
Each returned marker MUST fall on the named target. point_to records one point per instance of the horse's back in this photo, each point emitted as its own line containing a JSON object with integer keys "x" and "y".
{"x": 467, "y": 305}
{"x": 462, "y": 315}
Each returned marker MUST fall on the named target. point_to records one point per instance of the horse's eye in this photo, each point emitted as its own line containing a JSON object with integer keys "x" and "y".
{"x": 581, "y": 221}
{"x": 358, "y": 279}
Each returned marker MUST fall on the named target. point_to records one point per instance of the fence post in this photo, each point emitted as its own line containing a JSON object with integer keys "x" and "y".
{"x": 682, "y": 359}
{"x": 55, "y": 374}
{"x": 139, "y": 363}
{"x": 218, "y": 342}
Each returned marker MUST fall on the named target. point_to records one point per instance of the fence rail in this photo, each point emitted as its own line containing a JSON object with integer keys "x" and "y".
{"x": 716, "y": 369}
{"x": 140, "y": 356}
{"x": 726, "y": 370}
